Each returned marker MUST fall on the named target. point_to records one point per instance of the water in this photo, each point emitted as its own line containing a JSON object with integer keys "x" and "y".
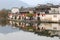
{"x": 29, "y": 31}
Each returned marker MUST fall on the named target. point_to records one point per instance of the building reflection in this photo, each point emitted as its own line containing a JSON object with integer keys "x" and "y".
{"x": 43, "y": 29}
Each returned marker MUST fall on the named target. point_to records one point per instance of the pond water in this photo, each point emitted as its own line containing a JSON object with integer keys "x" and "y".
{"x": 12, "y": 30}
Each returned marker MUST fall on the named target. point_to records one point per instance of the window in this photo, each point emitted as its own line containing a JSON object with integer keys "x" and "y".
{"x": 55, "y": 15}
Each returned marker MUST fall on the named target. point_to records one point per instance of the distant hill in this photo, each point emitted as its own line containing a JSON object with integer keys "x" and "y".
{"x": 8, "y": 4}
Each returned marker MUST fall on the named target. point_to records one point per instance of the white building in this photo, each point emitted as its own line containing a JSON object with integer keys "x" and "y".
{"x": 50, "y": 26}
{"x": 50, "y": 17}
{"x": 15, "y": 10}
{"x": 54, "y": 10}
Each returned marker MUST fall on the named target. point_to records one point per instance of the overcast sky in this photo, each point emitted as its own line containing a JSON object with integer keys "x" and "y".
{"x": 35, "y": 2}
{"x": 13, "y": 3}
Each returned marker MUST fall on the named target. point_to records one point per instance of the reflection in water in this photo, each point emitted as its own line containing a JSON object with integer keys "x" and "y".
{"x": 3, "y": 22}
{"x": 8, "y": 29}
{"x": 43, "y": 29}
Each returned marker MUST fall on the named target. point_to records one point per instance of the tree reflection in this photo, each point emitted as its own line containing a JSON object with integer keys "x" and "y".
{"x": 3, "y": 22}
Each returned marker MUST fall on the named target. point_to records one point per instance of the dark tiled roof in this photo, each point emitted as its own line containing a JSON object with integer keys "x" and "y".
{"x": 47, "y": 6}
{"x": 55, "y": 6}
{"x": 26, "y": 9}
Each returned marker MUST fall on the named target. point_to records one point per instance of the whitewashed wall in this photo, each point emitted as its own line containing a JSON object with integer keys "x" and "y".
{"x": 50, "y": 17}
{"x": 54, "y": 10}
{"x": 50, "y": 26}
{"x": 59, "y": 9}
